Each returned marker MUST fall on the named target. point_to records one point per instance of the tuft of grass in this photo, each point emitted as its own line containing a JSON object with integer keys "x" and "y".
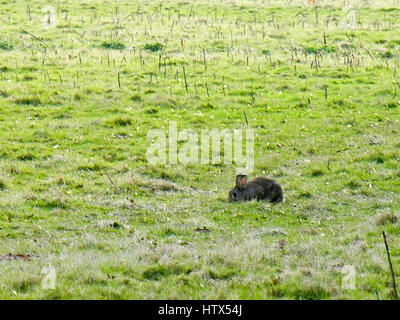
{"x": 6, "y": 46}
{"x": 78, "y": 96}
{"x": 113, "y": 45}
{"x": 152, "y": 111}
{"x": 119, "y": 122}
{"x": 222, "y": 273}
{"x": 386, "y": 218}
{"x": 353, "y": 184}
{"x": 3, "y": 185}
{"x": 317, "y": 172}
{"x": 162, "y": 271}
{"x": 4, "y": 93}
{"x": 392, "y": 105}
{"x": 52, "y": 203}
{"x": 29, "y": 101}
{"x": 136, "y": 97}
{"x": 387, "y": 55}
{"x": 153, "y": 47}
{"x": 90, "y": 167}
{"x": 26, "y": 157}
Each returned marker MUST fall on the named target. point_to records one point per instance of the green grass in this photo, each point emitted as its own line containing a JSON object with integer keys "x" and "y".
{"x": 326, "y": 118}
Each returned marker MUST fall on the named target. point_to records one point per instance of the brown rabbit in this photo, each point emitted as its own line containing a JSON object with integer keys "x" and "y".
{"x": 258, "y": 188}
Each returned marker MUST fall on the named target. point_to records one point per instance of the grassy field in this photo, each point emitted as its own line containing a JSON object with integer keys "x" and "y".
{"x": 79, "y": 94}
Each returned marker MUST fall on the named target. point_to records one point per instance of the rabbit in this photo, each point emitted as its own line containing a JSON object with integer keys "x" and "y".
{"x": 259, "y": 188}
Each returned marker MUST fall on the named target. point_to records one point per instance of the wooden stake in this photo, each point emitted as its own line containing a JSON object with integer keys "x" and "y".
{"x": 184, "y": 76}
{"x": 245, "y": 117}
{"x": 391, "y": 267}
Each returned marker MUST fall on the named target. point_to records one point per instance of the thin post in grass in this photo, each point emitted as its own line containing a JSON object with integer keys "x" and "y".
{"x": 253, "y": 98}
{"x": 391, "y": 267}
{"x": 109, "y": 178}
{"x": 245, "y": 117}
{"x": 34, "y": 37}
{"x": 184, "y": 77}
{"x": 119, "y": 80}
{"x": 204, "y": 59}
{"x": 28, "y": 9}
{"x": 191, "y": 12}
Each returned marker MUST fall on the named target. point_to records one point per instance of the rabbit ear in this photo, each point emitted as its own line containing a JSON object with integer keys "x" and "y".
{"x": 241, "y": 180}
